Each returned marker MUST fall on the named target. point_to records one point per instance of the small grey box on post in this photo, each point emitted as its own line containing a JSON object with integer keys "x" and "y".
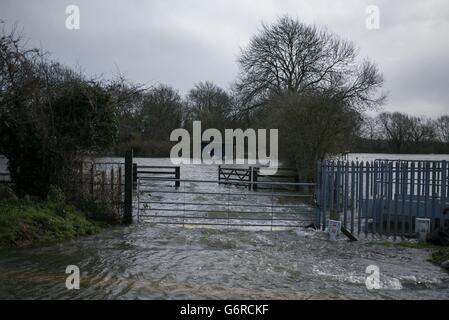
{"x": 128, "y": 206}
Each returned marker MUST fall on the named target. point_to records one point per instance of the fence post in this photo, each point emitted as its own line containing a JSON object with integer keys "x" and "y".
{"x": 297, "y": 189}
{"x": 128, "y": 207}
{"x": 255, "y": 174}
{"x": 103, "y": 183}
{"x": 177, "y": 177}
{"x": 250, "y": 178}
{"x": 119, "y": 182}
{"x": 134, "y": 173}
{"x": 92, "y": 178}
{"x": 112, "y": 182}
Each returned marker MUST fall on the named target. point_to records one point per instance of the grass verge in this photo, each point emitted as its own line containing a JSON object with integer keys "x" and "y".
{"x": 25, "y": 222}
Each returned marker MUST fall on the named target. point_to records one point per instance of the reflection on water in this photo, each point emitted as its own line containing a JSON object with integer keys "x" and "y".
{"x": 163, "y": 262}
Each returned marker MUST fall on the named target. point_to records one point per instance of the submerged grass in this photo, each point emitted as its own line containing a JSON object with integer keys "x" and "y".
{"x": 26, "y": 221}
{"x": 439, "y": 254}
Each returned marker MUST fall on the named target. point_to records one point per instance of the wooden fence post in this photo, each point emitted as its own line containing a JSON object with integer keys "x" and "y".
{"x": 112, "y": 182}
{"x": 128, "y": 206}
{"x": 92, "y": 178}
{"x": 177, "y": 177}
{"x": 119, "y": 182}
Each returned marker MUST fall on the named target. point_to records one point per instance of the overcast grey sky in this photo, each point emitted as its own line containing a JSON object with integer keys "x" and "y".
{"x": 181, "y": 42}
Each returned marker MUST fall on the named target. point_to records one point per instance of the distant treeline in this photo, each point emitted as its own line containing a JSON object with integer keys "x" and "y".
{"x": 147, "y": 116}
{"x": 402, "y": 133}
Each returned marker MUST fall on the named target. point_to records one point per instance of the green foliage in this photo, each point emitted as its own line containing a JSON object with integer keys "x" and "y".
{"x": 26, "y": 222}
{"x": 440, "y": 255}
{"x": 50, "y": 117}
{"x": 55, "y": 195}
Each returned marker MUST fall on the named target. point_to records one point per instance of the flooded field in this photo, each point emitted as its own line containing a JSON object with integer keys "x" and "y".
{"x": 152, "y": 261}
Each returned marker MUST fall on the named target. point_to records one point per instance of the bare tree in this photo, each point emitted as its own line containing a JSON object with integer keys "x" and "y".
{"x": 421, "y": 130}
{"x": 291, "y": 57}
{"x": 370, "y": 128}
{"x": 161, "y": 112}
{"x": 210, "y": 104}
{"x": 442, "y": 128}
{"x": 396, "y": 129}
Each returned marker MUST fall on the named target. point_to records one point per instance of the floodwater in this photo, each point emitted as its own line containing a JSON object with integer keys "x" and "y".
{"x": 151, "y": 261}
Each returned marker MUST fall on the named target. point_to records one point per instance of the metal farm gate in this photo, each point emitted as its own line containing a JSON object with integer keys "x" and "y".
{"x": 223, "y": 203}
{"x": 382, "y": 197}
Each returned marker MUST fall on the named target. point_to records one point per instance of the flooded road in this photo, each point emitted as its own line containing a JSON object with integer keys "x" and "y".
{"x": 164, "y": 262}
{"x": 148, "y": 261}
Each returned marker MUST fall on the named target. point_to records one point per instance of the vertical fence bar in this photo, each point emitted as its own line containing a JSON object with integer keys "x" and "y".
{"x": 331, "y": 191}
{"x": 138, "y": 201}
{"x": 360, "y": 197}
{"x": 345, "y": 194}
{"x": 318, "y": 194}
{"x": 404, "y": 195}
{"x": 352, "y": 205}
{"x": 128, "y": 208}
{"x": 337, "y": 191}
{"x": 434, "y": 193}
{"x": 367, "y": 201}
{"x": 381, "y": 198}
{"x": 375, "y": 185}
{"x": 389, "y": 196}
{"x": 443, "y": 192}
{"x": 324, "y": 194}
{"x": 418, "y": 192}
{"x": 396, "y": 198}
{"x": 411, "y": 198}
{"x": 426, "y": 190}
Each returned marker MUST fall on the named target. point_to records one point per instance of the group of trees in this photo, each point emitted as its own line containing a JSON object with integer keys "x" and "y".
{"x": 146, "y": 124}
{"x": 401, "y": 133}
{"x": 50, "y": 117}
{"x": 303, "y": 80}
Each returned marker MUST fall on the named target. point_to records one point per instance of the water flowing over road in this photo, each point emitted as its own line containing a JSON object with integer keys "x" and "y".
{"x": 168, "y": 262}
{"x": 148, "y": 261}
